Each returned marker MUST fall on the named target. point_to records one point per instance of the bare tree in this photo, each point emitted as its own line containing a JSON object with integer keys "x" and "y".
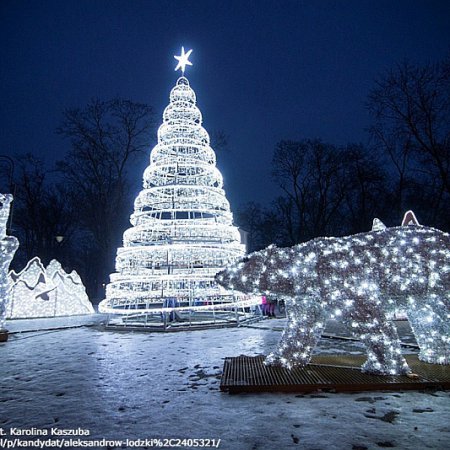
{"x": 106, "y": 137}
{"x": 411, "y": 110}
{"x": 367, "y": 191}
{"x": 219, "y": 141}
{"x": 312, "y": 175}
{"x": 43, "y": 212}
{"x": 262, "y": 225}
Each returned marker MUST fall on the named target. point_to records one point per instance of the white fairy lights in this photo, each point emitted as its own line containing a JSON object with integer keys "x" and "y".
{"x": 46, "y": 292}
{"x": 182, "y": 232}
{"x": 8, "y": 247}
{"x": 359, "y": 280}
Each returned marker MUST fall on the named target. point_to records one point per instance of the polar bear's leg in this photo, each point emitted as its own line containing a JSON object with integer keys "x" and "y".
{"x": 303, "y": 329}
{"x": 431, "y": 329}
{"x": 380, "y": 337}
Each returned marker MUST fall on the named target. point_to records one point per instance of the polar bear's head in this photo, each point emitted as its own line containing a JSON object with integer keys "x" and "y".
{"x": 259, "y": 272}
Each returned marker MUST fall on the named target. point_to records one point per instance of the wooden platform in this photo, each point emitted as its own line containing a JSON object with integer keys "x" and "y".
{"x": 340, "y": 373}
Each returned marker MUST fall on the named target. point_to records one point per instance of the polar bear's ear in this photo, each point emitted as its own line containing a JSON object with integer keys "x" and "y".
{"x": 378, "y": 225}
{"x": 409, "y": 219}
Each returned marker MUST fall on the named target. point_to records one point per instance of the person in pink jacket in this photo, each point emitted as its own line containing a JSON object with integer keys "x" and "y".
{"x": 264, "y": 305}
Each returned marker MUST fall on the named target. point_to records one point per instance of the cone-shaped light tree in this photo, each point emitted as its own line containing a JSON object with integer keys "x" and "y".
{"x": 182, "y": 230}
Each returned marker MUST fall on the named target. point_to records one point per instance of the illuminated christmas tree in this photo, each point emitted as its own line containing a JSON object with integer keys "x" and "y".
{"x": 183, "y": 232}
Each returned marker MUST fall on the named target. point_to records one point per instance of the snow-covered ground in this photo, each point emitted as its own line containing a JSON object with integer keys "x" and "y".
{"x": 51, "y": 323}
{"x": 123, "y": 385}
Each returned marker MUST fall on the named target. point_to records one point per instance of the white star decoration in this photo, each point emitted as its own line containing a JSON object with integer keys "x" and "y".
{"x": 183, "y": 60}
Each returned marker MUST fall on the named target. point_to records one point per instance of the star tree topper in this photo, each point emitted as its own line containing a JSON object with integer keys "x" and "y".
{"x": 183, "y": 60}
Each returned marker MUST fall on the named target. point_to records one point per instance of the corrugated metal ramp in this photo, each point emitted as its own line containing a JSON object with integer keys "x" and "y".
{"x": 338, "y": 373}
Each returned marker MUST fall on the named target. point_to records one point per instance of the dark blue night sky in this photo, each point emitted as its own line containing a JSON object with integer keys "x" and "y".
{"x": 263, "y": 70}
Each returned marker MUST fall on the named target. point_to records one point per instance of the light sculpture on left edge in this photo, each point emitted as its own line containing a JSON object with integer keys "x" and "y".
{"x": 8, "y": 247}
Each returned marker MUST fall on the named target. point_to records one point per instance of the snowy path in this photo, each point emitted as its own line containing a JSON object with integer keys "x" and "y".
{"x": 137, "y": 385}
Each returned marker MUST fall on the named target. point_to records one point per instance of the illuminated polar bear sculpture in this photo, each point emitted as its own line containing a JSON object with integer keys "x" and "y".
{"x": 358, "y": 280}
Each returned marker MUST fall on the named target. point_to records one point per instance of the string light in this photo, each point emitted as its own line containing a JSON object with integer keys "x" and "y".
{"x": 359, "y": 280}
{"x": 182, "y": 230}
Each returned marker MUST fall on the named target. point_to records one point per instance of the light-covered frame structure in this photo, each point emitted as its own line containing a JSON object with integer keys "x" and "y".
{"x": 183, "y": 231}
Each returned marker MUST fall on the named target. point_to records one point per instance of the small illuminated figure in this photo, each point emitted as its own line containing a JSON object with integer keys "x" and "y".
{"x": 359, "y": 280}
